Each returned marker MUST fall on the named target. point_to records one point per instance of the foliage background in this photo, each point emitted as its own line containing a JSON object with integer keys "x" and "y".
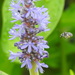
{"x": 62, "y": 51}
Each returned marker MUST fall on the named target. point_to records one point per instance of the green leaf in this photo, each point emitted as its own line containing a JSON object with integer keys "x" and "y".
{"x": 54, "y": 51}
{"x": 2, "y": 73}
{"x": 71, "y": 72}
{"x": 68, "y": 25}
{"x": 1, "y": 4}
{"x": 58, "y": 45}
{"x": 8, "y": 66}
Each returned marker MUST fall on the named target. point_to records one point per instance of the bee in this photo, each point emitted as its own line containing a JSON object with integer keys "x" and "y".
{"x": 66, "y": 35}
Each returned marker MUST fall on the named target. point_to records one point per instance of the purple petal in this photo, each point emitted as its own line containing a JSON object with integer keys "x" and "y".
{"x": 29, "y": 49}
{"x": 24, "y": 46}
{"x": 28, "y": 14}
{"x": 35, "y": 48}
{"x": 45, "y": 46}
{"x": 29, "y": 64}
{"x": 44, "y": 65}
{"x": 12, "y": 38}
{"x": 16, "y": 26}
{"x": 23, "y": 64}
{"x": 14, "y": 55}
{"x": 40, "y": 51}
{"x": 41, "y": 70}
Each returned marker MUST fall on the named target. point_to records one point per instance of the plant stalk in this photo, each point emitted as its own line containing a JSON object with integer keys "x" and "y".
{"x": 33, "y": 70}
{"x": 64, "y": 59}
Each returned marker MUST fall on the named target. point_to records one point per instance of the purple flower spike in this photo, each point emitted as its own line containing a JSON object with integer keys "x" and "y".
{"x": 33, "y": 21}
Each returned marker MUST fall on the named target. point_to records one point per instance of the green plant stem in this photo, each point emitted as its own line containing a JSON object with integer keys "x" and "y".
{"x": 32, "y": 71}
{"x": 64, "y": 59}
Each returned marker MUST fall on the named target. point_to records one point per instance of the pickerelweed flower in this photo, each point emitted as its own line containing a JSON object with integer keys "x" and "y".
{"x": 31, "y": 45}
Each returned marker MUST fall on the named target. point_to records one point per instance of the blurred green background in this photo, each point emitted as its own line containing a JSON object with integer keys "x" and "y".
{"x": 61, "y": 58}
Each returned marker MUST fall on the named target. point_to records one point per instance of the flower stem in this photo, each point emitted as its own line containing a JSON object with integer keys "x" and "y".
{"x": 64, "y": 59}
{"x": 32, "y": 71}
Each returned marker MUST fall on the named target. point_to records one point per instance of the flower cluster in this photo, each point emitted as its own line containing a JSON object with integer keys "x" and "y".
{"x": 33, "y": 21}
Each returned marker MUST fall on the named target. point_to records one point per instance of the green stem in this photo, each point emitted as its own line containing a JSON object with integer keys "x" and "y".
{"x": 64, "y": 59}
{"x": 32, "y": 71}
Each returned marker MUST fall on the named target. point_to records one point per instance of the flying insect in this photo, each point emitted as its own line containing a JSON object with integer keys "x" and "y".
{"x": 66, "y": 35}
